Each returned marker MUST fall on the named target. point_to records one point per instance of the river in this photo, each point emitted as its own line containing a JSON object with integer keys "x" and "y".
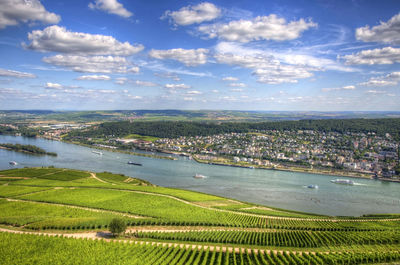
{"x": 268, "y": 187}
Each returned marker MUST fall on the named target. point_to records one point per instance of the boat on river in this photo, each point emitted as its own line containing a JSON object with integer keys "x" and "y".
{"x": 133, "y": 163}
{"x": 343, "y": 181}
{"x": 97, "y": 153}
{"x": 13, "y": 163}
{"x": 312, "y": 186}
{"x": 199, "y": 176}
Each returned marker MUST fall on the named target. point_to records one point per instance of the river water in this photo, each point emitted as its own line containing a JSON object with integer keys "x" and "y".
{"x": 268, "y": 187}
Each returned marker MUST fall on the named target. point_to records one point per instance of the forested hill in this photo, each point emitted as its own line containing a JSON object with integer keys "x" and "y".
{"x": 179, "y": 128}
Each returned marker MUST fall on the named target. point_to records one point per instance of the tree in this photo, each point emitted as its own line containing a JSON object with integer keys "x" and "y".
{"x": 117, "y": 226}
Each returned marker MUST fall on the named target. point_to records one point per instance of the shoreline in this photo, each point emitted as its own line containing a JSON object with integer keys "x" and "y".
{"x": 299, "y": 170}
{"x": 116, "y": 150}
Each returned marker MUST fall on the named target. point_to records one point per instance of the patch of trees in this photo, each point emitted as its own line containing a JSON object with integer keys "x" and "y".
{"x": 23, "y": 131}
{"x": 173, "y": 129}
{"x": 32, "y": 149}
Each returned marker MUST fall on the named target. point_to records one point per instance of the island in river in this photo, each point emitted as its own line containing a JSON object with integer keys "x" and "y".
{"x": 29, "y": 149}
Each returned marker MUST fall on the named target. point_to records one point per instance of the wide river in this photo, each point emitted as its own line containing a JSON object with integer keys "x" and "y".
{"x": 268, "y": 187}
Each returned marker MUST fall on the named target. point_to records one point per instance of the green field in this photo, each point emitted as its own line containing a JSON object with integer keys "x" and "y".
{"x": 190, "y": 227}
{"x": 141, "y": 137}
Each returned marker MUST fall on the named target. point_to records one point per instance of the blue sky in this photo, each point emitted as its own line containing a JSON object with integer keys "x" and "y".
{"x": 242, "y": 55}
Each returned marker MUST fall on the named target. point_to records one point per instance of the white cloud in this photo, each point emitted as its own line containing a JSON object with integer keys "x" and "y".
{"x": 168, "y": 75}
{"x": 12, "y": 73}
{"x": 121, "y": 80}
{"x": 59, "y": 39}
{"x": 375, "y": 92}
{"x": 193, "y": 14}
{"x": 189, "y": 57}
{"x": 387, "y": 55}
{"x": 297, "y": 57}
{"x": 260, "y": 28}
{"x": 50, "y": 85}
{"x": 230, "y": 78}
{"x": 268, "y": 70}
{"x": 94, "y": 77}
{"x": 237, "y": 90}
{"x": 237, "y": 85}
{"x": 386, "y": 32}
{"x": 12, "y": 12}
{"x": 391, "y": 79}
{"x": 215, "y": 91}
{"x": 194, "y": 92}
{"x": 351, "y": 87}
{"x": 134, "y": 97}
{"x": 176, "y": 86}
{"x": 93, "y": 64}
{"x": 145, "y": 83}
{"x": 112, "y": 7}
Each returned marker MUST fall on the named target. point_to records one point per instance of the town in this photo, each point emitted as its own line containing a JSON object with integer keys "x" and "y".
{"x": 356, "y": 152}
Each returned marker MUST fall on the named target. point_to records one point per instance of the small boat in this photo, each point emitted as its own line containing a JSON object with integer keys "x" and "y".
{"x": 13, "y": 163}
{"x": 97, "y": 152}
{"x": 198, "y": 176}
{"x": 133, "y": 163}
{"x": 343, "y": 181}
{"x": 312, "y": 186}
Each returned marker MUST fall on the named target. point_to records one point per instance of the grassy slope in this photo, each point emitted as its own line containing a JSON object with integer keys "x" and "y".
{"x": 47, "y": 196}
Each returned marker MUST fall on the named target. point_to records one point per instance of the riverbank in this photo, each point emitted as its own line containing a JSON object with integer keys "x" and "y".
{"x": 297, "y": 170}
{"x": 120, "y": 151}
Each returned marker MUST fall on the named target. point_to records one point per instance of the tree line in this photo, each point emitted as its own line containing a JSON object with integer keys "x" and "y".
{"x": 174, "y": 129}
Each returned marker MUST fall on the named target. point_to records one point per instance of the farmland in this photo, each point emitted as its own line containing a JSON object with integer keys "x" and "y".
{"x": 171, "y": 226}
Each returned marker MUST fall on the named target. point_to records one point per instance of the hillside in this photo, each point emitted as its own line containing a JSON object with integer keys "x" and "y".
{"x": 171, "y": 226}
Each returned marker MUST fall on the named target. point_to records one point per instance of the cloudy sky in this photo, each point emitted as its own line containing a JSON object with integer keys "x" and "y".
{"x": 243, "y": 55}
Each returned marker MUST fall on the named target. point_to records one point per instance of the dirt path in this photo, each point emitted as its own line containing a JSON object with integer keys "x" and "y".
{"x": 93, "y": 175}
{"x": 79, "y": 207}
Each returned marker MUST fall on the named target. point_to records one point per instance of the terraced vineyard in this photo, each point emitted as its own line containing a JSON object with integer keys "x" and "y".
{"x": 171, "y": 226}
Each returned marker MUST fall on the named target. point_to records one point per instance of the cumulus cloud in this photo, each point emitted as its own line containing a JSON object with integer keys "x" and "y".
{"x": 176, "y": 86}
{"x": 94, "y": 77}
{"x": 111, "y": 7}
{"x": 301, "y": 58}
{"x": 391, "y": 79}
{"x": 193, "y": 14}
{"x": 260, "y": 28}
{"x": 50, "y": 85}
{"x": 93, "y": 64}
{"x": 351, "y": 87}
{"x": 387, "y": 55}
{"x": 386, "y": 32}
{"x": 12, "y": 73}
{"x": 267, "y": 69}
{"x": 230, "y": 78}
{"x": 12, "y": 12}
{"x": 59, "y": 39}
{"x": 189, "y": 57}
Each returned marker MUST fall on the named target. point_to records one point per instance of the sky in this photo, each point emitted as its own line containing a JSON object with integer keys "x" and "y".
{"x": 284, "y": 55}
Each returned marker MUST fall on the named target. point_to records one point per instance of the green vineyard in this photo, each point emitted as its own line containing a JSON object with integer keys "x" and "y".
{"x": 171, "y": 226}
{"x": 59, "y": 250}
